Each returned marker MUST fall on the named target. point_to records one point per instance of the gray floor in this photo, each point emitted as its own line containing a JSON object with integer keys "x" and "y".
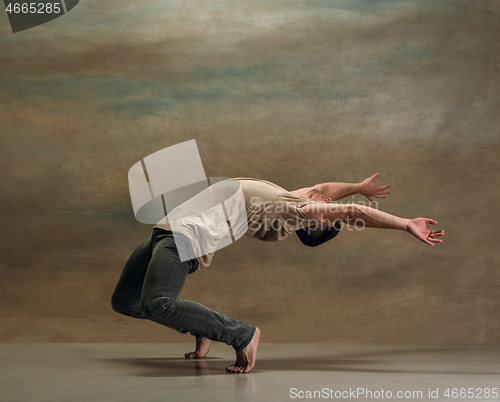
{"x": 159, "y": 372}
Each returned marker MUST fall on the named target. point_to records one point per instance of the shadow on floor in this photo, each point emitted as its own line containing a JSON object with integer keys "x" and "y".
{"x": 455, "y": 361}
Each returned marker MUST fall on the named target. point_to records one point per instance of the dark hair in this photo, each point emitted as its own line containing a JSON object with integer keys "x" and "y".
{"x": 317, "y": 235}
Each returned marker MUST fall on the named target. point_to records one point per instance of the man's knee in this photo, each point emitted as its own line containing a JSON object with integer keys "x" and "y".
{"x": 118, "y": 305}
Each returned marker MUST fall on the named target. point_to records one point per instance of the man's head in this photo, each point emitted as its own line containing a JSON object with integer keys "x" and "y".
{"x": 314, "y": 236}
{"x": 316, "y": 195}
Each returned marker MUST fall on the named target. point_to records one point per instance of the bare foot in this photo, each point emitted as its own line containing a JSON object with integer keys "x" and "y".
{"x": 202, "y": 348}
{"x": 245, "y": 359}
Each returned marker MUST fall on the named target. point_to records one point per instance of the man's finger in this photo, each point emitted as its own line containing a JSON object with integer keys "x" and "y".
{"x": 431, "y": 221}
{"x": 375, "y": 176}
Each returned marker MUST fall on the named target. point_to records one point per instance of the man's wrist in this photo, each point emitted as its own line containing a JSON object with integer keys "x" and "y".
{"x": 358, "y": 188}
{"x": 406, "y": 222}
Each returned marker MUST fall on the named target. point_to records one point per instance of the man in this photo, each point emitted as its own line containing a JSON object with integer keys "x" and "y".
{"x": 154, "y": 274}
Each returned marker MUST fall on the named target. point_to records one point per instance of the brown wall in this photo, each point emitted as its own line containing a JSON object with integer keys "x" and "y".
{"x": 296, "y": 94}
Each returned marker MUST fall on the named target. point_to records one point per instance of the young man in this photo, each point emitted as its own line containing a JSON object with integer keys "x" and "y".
{"x": 154, "y": 275}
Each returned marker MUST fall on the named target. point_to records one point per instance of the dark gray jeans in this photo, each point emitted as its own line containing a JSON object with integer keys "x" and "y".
{"x": 152, "y": 280}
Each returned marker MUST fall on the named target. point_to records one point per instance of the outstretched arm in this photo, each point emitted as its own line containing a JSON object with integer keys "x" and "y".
{"x": 335, "y": 191}
{"x": 370, "y": 217}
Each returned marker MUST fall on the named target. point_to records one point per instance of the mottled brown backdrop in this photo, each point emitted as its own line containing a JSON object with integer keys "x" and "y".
{"x": 295, "y": 92}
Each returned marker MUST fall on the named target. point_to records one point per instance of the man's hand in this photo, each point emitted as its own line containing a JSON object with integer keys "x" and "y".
{"x": 370, "y": 190}
{"x": 417, "y": 227}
